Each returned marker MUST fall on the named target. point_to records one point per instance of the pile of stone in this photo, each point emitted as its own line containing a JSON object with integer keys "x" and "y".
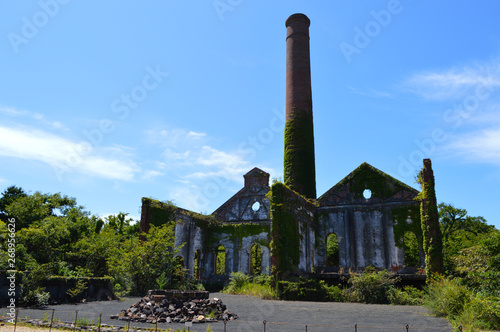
{"x": 163, "y": 307}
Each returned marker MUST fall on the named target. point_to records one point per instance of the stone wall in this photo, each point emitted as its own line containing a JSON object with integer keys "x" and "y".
{"x": 363, "y": 221}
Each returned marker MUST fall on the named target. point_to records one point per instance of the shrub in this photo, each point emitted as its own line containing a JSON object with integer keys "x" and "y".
{"x": 240, "y": 283}
{"x": 236, "y": 281}
{"x": 446, "y": 297}
{"x": 370, "y": 286}
{"x": 306, "y": 289}
{"x": 409, "y": 295}
{"x": 32, "y": 292}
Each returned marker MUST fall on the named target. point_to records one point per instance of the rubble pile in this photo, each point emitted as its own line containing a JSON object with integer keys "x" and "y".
{"x": 162, "y": 309}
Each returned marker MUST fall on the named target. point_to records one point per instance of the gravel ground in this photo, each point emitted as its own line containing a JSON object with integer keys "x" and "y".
{"x": 280, "y": 316}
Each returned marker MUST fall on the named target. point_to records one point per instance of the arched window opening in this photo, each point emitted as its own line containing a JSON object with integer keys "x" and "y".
{"x": 220, "y": 260}
{"x": 255, "y": 259}
{"x": 411, "y": 249}
{"x": 197, "y": 257}
{"x": 332, "y": 250}
{"x": 178, "y": 274}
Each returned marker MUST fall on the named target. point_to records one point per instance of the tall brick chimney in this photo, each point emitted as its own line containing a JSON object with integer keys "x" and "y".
{"x": 299, "y": 163}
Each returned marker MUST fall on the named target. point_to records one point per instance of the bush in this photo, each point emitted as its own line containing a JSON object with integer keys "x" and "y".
{"x": 485, "y": 312}
{"x": 446, "y": 297}
{"x": 370, "y": 287}
{"x": 32, "y": 292}
{"x": 240, "y": 283}
{"x": 236, "y": 281}
{"x": 409, "y": 295}
{"x": 306, "y": 289}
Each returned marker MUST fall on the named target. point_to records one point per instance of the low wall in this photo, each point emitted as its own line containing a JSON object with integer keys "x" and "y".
{"x": 97, "y": 289}
{"x": 177, "y": 294}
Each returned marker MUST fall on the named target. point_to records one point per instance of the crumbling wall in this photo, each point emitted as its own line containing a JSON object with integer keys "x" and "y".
{"x": 237, "y": 239}
{"x": 190, "y": 230}
{"x": 292, "y": 232}
{"x": 363, "y": 221}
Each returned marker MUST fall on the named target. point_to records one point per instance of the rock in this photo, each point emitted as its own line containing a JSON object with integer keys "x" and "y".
{"x": 159, "y": 308}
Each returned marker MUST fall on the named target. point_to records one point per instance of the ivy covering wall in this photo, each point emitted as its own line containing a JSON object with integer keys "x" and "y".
{"x": 299, "y": 163}
{"x": 289, "y": 213}
{"x": 432, "y": 241}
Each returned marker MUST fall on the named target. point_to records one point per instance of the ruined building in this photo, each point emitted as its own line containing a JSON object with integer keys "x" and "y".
{"x": 285, "y": 228}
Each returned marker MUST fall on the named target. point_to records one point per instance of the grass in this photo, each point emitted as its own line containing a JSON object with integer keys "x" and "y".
{"x": 258, "y": 286}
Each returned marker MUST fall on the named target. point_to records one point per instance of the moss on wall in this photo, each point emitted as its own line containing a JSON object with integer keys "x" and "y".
{"x": 406, "y": 219}
{"x": 432, "y": 241}
{"x": 160, "y": 213}
{"x": 236, "y": 233}
{"x": 289, "y": 215}
{"x": 299, "y": 163}
{"x": 381, "y": 184}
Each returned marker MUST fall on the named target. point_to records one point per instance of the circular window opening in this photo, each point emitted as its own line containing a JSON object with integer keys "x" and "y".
{"x": 367, "y": 194}
{"x": 256, "y": 206}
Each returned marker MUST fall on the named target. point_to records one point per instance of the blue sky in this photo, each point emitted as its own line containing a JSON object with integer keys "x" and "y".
{"x": 111, "y": 101}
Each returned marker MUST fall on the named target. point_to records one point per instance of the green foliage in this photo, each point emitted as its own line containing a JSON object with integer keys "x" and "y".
{"x": 236, "y": 281}
{"x": 161, "y": 281}
{"x": 381, "y": 184}
{"x": 408, "y": 233}
{"x": 32, "y": 292}
{"x": 152, "y": 257}
{"x": 256, "y": 259}
{"x": 220, "y": 260}
{"x": 299, "y": 169}
{"x": 371, "y": 286}
{"x": 76, "y": 291}
{"x": 479, "y": 266}
{"x": 8, "y": 197}
{"x": 431, "y": 233}
{"x": 460, "y": 231}
{"x": 446, "y": 297}
{"x": 409, "y": 295}
{"x": 332, "y": 250}
{"x": 285, "y": 231}
{"x": 258, "y": 286}
{"x": 308, "y": 289}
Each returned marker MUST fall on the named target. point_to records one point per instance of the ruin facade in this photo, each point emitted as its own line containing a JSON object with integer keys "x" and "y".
{"x": 284, "y": 228}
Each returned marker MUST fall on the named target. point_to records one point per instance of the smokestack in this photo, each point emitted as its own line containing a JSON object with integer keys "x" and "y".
{"x": 299, "y": 163}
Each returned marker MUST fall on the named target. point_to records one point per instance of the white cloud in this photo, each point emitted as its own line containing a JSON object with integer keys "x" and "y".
{"x": 66, "y": 156}
{"x": 174, "y": 137}
{"x": 14, "y": 112}
{"x": 151, "y": 175}
{"x": 455, "y": 83}
{"x": 478, "y": 147}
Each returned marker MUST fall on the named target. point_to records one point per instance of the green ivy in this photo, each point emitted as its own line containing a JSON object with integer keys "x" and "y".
{"x": 285, "y": 231}
{"x": 299, "y": 164}
{"x": 382, "y": 185}
{"x": 431, "y": 233}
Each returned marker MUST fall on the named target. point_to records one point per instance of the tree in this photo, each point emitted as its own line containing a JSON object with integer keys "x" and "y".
{"x": 152, "y": 257}
{"x": 120, "y": 223}
{"x": 8, "y": 197}
{"x": 36, "y": 207}
{"x": 460, "y": 231}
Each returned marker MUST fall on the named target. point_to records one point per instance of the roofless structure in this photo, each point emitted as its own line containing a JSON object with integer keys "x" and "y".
{"x": 285, "y": 228}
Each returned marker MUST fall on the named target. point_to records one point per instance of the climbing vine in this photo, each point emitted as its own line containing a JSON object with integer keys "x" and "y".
{"x": 299, "y": 165}
{"x": 160, "y": 213}
{"x": 432, "y": 242}
{"x": 407, "y": 219}
{"x": 381, "y": 184}
{"x": 288, "y": 211}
